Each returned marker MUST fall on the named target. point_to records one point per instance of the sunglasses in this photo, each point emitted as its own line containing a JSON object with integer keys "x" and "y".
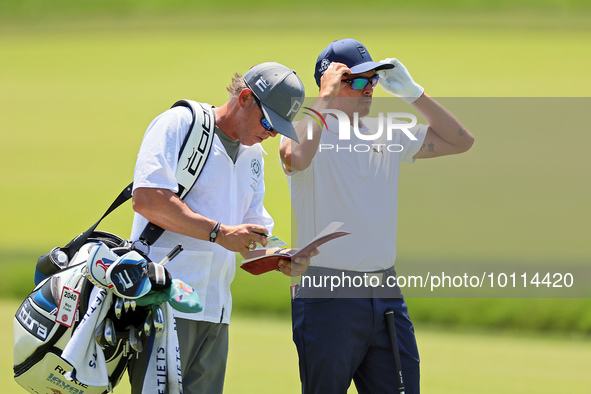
{"x": 361, "y": 82}
{"x": 264, "y": 122}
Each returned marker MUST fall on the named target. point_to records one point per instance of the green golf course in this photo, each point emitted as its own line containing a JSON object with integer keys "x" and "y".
{"x": 263, "y": 360}
{"x": 79, "y": 83}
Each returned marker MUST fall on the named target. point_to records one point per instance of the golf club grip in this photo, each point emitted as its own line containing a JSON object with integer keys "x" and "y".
{"x": 171, "y": 255}
{"x": 391, "y": 325}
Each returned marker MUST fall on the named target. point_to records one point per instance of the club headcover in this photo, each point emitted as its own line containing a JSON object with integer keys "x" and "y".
{"x": 179, "y": 295}
{"x": 128, "y": 276}
{"x": 159, "y": 276}
{"x": 153, "y": 298}
{"x": 184, "y": 298}
{"x": 99, "y": 260}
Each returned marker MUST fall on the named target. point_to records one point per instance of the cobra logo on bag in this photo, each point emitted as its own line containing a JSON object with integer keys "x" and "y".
{"x": 33, "y": 321}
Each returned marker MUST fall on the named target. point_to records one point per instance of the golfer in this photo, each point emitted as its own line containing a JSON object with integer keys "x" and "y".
{"x": 222, "y": 214}
{"x": 340, "y": 332}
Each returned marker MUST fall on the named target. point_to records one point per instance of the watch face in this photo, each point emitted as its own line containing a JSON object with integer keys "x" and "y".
{"x": 213, "y": 234}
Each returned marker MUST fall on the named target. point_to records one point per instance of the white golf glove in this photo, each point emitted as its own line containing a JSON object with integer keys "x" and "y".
{"x": 397, "y": 81}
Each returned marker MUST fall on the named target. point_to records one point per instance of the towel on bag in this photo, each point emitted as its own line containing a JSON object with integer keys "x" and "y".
{"x": 163, "y": 373}
{"x": 82, "y": 351}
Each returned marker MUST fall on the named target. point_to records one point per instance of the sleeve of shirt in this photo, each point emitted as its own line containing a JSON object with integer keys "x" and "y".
{"x": 158, "y": 155}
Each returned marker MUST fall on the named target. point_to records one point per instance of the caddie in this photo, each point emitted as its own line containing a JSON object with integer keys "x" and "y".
{"x": 222, "y": 214}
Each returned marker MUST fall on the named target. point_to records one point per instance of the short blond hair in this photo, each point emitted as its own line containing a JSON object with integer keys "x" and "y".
{"x": 236, "y": 86}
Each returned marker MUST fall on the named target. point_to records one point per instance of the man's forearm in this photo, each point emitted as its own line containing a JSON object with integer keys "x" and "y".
{"x": 298, "y": 156}
{"x": 444, "y": 123}
{"x": 165, "y": 209}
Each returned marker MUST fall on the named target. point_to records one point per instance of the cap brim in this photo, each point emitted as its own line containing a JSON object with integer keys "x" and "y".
{"x": 365, "y": 67}
{"x": 280, "y": 125}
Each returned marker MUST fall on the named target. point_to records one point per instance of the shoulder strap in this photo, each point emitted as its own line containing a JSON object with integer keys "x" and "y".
{"x": 196, "y": 146}
{"x": 72, "y": 247}
{"x": 192, "y": 157}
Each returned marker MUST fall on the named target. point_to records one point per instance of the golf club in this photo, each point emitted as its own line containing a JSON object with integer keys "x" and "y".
{"x": 110, "y": 334}
{"x": 171, "y": 255}
{"x": 134, "y": 340}
{"x": 391, "y": 324}
{"x": 158, "y": 319}
{"x": 118, "y": 307}
{"x": 148, "y": 323}
{"x": 99, "y": 334}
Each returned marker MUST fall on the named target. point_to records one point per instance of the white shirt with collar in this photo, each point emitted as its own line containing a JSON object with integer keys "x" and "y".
{"x": 355, "y": 182}
{"x": 231, "y": 193}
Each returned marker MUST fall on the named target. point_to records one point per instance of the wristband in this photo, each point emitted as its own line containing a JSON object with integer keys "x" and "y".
{"x": 214, "y": 233}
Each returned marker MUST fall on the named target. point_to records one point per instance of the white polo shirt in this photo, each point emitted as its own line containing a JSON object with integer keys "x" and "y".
{"x": 226, "y": 192}
{"x": 355, "y": 182}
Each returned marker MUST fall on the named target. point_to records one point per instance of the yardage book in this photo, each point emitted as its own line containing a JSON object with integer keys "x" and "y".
{"x": 262, "y": 264}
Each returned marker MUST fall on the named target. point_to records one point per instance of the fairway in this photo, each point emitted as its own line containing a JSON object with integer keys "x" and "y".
{"x": 77, "y": 92}
{"x": 263, "y": 360}
{"x": 94, "y": 92}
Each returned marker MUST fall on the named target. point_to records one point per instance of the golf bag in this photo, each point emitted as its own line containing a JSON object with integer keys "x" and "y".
{"x": 39, "y": 338}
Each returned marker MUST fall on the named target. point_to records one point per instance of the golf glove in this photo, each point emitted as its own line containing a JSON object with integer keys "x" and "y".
{"x": 397, "y": 81}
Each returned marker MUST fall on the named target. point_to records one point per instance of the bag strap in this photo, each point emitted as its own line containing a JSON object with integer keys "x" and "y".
{"x": 194, "y": 152}
{"x": 74, "y": 245}
{"x": 192, "y": 157}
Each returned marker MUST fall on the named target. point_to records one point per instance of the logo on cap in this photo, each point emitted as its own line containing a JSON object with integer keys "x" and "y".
{"x": 262, "y": 84}
{"x": 361, "y": 50}
{"x": 295, "y": 107}
{"x": 323, "y": 65}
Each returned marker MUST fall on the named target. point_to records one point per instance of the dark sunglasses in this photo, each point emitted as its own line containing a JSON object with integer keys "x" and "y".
{"x": 361, "y": 82}
{"x": 264, "y": 122}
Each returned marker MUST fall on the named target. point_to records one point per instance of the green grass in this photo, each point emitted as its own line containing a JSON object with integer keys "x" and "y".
{"x": 80, "y": 81}
{"x": 78, "y": 94}
{"x": 263, "y": 359}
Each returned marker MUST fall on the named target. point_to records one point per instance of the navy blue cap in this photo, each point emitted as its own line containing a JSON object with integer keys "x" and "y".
{"x": 349, "y": 52}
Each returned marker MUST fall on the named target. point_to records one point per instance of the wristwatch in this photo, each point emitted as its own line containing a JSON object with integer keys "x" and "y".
{"x": 214, "y": 233}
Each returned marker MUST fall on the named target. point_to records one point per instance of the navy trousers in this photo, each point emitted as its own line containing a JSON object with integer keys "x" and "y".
{"x": 340, "y": 340}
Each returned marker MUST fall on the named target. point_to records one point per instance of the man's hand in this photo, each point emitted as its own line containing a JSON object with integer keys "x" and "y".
{"x": 397, "y": 81}
{"x": 298, "y": 156}
{"x": 297, "y": 266}
{"x": 330, "y": 82}
{"x": 241, "y": 238}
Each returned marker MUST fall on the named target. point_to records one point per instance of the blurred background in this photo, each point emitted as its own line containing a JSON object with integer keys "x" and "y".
{"x": 80, "y": 82}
